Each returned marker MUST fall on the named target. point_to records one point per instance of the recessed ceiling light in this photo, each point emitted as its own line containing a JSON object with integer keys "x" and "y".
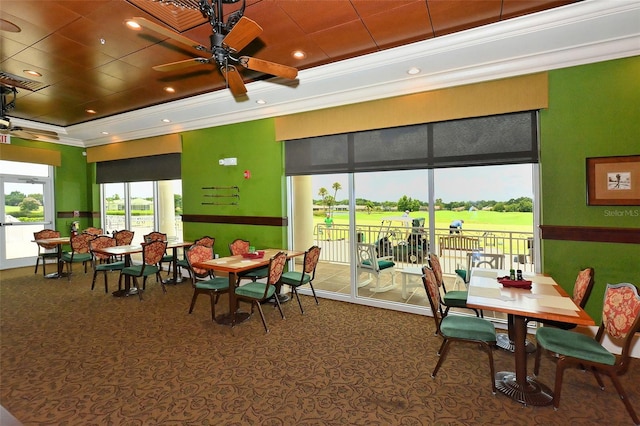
{"x": 298, "y": 54}
{"x": 105, "y": 133}
{"x": 32, "y": 73}
{"x": 166, "y": 120}
{"x": 170, "y": 90}
{"x": 261, "y": 102}
{"x": 90, "y": 111}
{"x": 413, "y": 71}
{"x": 133, "y": 25}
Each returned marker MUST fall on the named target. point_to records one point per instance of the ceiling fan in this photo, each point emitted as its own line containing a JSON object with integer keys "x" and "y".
{"x": 8, "y": 95}
{"x": 227, "y": 39}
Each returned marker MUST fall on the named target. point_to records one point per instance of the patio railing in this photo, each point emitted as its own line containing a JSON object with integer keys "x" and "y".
{"x": 409, "y": 246}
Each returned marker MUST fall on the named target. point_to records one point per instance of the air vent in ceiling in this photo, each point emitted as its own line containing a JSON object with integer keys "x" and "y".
{"x": 181, "y": 15}
{"x": 21, "y": 82}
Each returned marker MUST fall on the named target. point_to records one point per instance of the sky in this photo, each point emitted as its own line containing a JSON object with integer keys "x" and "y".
{"x": 499, "y": 183}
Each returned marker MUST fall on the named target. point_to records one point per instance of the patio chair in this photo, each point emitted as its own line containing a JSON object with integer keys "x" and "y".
{"x": 370, "y": 263}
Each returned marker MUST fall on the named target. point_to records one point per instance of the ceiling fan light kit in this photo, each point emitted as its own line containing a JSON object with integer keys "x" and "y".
{"x": 227, "y": 39}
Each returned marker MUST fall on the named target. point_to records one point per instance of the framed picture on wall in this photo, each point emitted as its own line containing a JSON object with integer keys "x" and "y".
{"x": 613, "y": 181}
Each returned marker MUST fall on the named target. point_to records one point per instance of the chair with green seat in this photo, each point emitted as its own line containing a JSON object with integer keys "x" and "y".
{"x": 458, "y": 328}
{"x": 374, "y": 265}
{"x": 257, "y": 292}
{"x": 202, "y": 280}
{"x": 295, "y": 279}
{"x": 152, "y": 253}
{"x": 450, "y": 299}
{"x": 46, "y": 251}
{"x": 160, "y": 236}
{"x": 207, "y": 242}
{"x": 103, "y": 262}
{"x": 620, "y": 323}
{"x": 240, "y": 247}
{"x": 79, "y": 252}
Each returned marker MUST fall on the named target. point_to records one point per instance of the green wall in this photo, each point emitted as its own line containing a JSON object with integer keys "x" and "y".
{"x": 594, "y": 111}
{"x": 254, "y": 145}
{"x": 75, "y": 188}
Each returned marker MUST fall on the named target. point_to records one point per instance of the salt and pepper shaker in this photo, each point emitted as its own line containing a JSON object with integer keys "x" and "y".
{"x": 519, "y": 272}
{"x": 512, "y": 274}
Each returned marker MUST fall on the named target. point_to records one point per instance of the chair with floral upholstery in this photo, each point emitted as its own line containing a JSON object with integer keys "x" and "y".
{"x": 152, "y": 253}
{"x": 620, "y": 323}
{"x": 581, "y": 292}
{"x": 296, "y": 279}
{"x": 239, "y": 247}
{"x": 257, "y": 292}
{"x": 160, "y": 236}
{"x": 207, "y": 242}
{"x": 202, "y": 280}
{"x": 103, "y": 262}
{"x": 458, "y": 328}
{"x": 93, "y": 231}
{"x": 123, "y": 237}
{"x": 46, "y": 251}
{"x": 79, "y": 252}
{"x": 450, "y": 299}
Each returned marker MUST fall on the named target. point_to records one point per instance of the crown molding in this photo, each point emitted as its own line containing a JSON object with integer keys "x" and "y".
{"x": 577, "y": 34}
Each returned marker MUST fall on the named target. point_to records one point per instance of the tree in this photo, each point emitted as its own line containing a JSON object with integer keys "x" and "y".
{"x": 369, "y": 207}
{"x": 38, "y": 197}
{"x": 326, "y": 199}
{"x": 29, "y": 204}
{"x": 407, "y": 203}
{"x": 14, "y": 199}
{"x": 336, "y": 187}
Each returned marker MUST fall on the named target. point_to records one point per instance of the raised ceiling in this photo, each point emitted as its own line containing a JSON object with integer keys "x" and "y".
{"x": 89, "y": 60}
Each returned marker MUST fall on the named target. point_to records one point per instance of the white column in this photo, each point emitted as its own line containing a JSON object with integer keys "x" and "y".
{"x": 302, "y": 204}
{"x": 166, "y": 205}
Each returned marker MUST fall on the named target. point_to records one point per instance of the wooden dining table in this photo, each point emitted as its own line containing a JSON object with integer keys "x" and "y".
{"x": 234, "y": 265}
{"x": 544, "y": 300}
{"x": 126, "y": 251}
{"x": 58, "y": 242}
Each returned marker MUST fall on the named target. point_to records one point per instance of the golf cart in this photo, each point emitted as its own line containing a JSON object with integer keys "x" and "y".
{"x": 404, "y": 238}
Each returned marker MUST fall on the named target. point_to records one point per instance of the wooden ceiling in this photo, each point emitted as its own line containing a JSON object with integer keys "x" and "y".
{"x": 89, "y": 60}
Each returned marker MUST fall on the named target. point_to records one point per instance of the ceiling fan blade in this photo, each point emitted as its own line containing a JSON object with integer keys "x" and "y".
{"x": 144, "y": 23}
{"x": 22, "y": 134}
{"x": 267, "y": 67}
{"x": 234, "y": 80}
{"x": 181, "y": 64}
{"x": 36, "y": 132}
{"x": 242, "y": 34}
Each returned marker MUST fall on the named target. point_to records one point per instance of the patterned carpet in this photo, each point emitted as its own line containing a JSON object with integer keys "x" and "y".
{"x": 72, "y": 356}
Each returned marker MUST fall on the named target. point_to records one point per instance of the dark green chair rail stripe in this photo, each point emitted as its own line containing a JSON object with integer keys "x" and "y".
{"x": 68, "y": 215}
{"x": 593, "y": 234}
{"x": 237, "y": 220}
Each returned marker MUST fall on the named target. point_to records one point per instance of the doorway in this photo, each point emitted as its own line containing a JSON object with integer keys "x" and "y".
{"x": 26, "y": 206}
